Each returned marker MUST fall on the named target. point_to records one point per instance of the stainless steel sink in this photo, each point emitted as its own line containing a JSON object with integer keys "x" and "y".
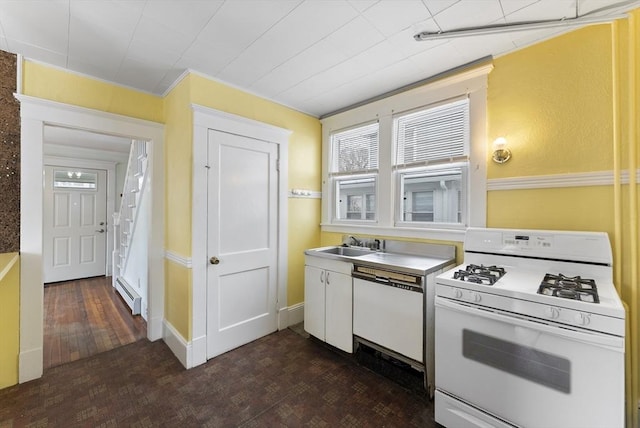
{"x": 345, "y": 251}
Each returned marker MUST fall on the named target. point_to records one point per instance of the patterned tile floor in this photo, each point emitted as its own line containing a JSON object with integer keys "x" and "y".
{"x": 281, "y": 380}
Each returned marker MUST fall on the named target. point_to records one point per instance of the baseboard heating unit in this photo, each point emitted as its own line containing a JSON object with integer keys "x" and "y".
{"x": 129, "y": 295}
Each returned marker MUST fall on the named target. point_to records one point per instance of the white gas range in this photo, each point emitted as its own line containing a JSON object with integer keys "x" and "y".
{"x": 530, "y": 332}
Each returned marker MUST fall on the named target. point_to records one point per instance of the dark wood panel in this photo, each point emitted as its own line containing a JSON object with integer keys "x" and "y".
{"x": 86, "y": 317}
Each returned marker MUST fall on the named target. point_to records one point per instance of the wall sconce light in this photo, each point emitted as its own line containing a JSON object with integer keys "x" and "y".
{"x": 501, "y": 153}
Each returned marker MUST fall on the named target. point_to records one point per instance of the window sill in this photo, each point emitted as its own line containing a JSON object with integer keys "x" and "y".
{"x": 451, "y": 235}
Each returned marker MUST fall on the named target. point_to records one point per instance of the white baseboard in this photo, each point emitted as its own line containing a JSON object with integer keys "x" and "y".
{"x": 30, "y": 365}
{"x": 155, "y": 329}
{"x": 178, "y": 345}
{"x": 194, "y": 353}
{"x": 290, "y": 315}
{"x": 296, "y": 313}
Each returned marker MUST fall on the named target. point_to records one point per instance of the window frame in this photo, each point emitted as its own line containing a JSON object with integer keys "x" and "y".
{"x": 471, "y": 83}
{"x": 335, "y": 177}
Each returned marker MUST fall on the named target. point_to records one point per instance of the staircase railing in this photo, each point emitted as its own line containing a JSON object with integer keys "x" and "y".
{"x": 125, "y": 219}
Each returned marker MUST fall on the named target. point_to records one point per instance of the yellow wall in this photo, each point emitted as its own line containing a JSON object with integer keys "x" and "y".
{"x": 56, "y": 85}
{"x": 9, "y": 318}
{"x": 554, "y": 103}
{"x": 304, "y": 172}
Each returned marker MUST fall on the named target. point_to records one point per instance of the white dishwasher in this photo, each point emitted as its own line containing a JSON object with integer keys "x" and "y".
{"x": 393, "y": 304}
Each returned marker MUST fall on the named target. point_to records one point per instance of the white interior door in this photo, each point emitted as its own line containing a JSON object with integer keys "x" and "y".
{"x": 242, "y": 240}
{"x": 75, "y": 215}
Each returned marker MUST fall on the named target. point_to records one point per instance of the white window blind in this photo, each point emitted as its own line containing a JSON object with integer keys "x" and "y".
{"x": 434, "y": 135}
{"x": 355, "y": 150}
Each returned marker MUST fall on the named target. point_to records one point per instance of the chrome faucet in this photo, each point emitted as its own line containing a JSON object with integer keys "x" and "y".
{"x": 356, "y": 241}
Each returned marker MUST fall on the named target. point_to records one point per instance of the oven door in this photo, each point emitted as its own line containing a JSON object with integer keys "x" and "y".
{"x": 524, "y": 372}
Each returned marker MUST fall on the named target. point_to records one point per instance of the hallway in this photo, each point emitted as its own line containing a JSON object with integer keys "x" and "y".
{"x": 86, "y": 317}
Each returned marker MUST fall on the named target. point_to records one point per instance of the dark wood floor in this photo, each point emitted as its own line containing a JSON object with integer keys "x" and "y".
{"x": 280, "y": 380}
{"x": 86, "y": 317}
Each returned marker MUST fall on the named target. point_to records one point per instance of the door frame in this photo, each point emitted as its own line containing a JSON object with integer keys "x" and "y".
{"x": 110, "y": 167}
{"x": 35, "y": 114}
{"x": 205, "y": 118}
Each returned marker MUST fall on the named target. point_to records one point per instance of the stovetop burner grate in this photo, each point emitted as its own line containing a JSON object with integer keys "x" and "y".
{"x": 569, "y": 287}
{"x": 480, "y": 274}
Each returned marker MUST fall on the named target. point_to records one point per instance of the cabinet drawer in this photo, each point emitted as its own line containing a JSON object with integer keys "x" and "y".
{"x": 328, "y": 264}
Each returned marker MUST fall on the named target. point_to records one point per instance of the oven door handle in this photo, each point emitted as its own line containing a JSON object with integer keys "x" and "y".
{"x": 603, "y": 340}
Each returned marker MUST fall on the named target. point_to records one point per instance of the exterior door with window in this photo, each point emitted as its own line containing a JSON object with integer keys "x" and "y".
{"x": 75, "y": 215}
{"x": 242, "y": 240}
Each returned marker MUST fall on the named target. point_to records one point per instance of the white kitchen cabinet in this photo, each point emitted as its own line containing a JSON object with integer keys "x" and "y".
{"x": 328, "y": 301}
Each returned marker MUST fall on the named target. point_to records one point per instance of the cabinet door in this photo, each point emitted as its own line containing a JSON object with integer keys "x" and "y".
{"x": 314, "y": 301}
{"x": 339, "y": 327}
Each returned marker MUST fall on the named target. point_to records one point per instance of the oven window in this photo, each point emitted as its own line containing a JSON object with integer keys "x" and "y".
{"x": 523, "y": 361}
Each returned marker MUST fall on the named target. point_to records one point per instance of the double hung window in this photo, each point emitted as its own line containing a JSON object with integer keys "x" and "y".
{"x": 412, "y": 164}
{"x": 354, "y": 172}
{"x": 431, "y": 164}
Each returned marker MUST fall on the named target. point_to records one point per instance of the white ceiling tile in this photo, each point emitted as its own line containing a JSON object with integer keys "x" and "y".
{"x": 139, "y": 75}
{"x": 469, "y": 13}
{"x": 234, "y": 28}
{"x": 347, "y": 71}
{"x": 41, "y": 23}
{"x": 358, "y": 35}
{"x": 187, "y": 17}
{"x": 101, "y": 69}
{"x": 391, "y": 17}
{"x": 472, "y": 48}
{"x": 405, "y": 43}
{"x": 314, "y": 60}
{"x": 157, "y": 44}
{"x": 362, "y": 5}
{"x": 437, "y": 60}
{"x": 397, "y": 75}
{"x": 544, "y": 9}
{"x": 587, "y": 6}
{"x": 100, "y": 32}
{"x": 168, "y": 80}
{"x": 310, "y": 22}
{"x": 510, "y": 6}
{"x": 36, "y": 53}
{"x": 437, "y": 6}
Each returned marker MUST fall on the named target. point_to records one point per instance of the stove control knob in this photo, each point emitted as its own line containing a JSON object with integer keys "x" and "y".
{"x": 582, "y": 318}
{"x": 553, "y": 312}
{"x": 457, "y": 294}
{"x": 477, "y": 297}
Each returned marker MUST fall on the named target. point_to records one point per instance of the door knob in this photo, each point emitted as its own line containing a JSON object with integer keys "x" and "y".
{"x": 100, "y": 230}
{"x": 214, "y": 260}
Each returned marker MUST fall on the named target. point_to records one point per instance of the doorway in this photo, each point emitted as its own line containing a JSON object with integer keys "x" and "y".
{"x": 36, "y": 114}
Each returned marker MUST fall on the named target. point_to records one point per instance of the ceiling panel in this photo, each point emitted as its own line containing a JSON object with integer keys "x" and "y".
{"x": 37, "y": 53}
{"x": 309, "y": 22}
{"x": 137, "y": 74}
{"x": 356, "y": 37}
{"x": 42, "y": 23}
{"x": 316, "y": 56}
{"x": 393, "y": 17}
{"x": 544, "y": 10}
{"x": 437, "y": 6}
{"x": 469, "y": 13}
{"x": 187, "y": 17}
{"x": 319, "y": 57}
